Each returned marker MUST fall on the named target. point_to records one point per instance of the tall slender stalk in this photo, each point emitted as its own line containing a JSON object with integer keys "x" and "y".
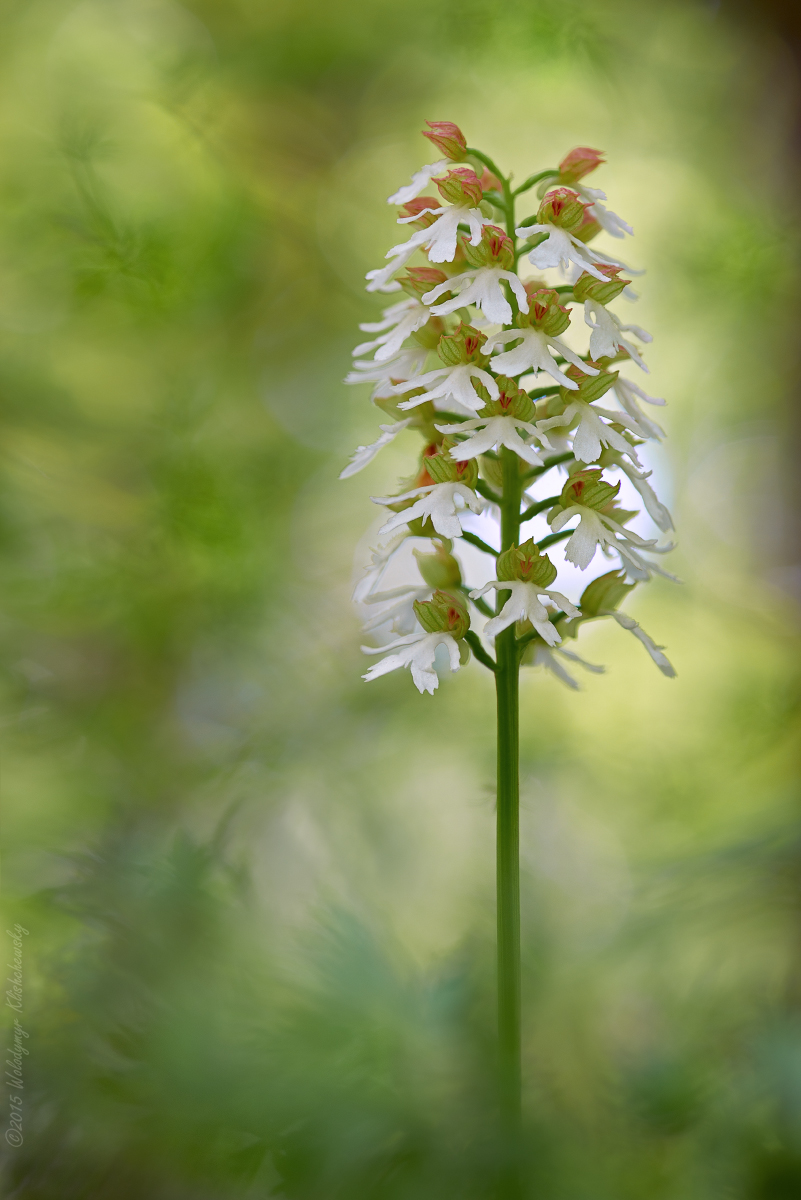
{"x": 458, "y": 469}
{"x": 508, "y": 847}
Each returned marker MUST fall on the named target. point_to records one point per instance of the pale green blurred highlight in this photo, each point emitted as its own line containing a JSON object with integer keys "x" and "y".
{"x": 260, "y": 892}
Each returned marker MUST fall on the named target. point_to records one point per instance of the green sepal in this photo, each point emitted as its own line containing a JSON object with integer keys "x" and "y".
{"x": 591, "y": 387}
{"x": 445, "y": 612}
{"x": 606, "y": 592}
{"x": 525, "y": 563}
{"x": 589, "y": 489}
{"x": 440, "y": 569}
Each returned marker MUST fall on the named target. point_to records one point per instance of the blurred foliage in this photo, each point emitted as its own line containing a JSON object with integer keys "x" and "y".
{"x": 260, "y": 893}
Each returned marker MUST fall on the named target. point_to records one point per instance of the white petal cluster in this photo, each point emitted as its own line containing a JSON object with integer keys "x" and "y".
{"x": 487, "y": 433}
{"x": 439, "y": 503}
{"x": 481, "y": 286}
{"x": 525, "y": 604}
{"x": 534, "y": 354}
{"x": 417, "y": 653}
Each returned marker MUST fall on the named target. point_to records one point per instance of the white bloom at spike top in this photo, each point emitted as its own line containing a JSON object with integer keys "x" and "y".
{"x": 436, "y": 374}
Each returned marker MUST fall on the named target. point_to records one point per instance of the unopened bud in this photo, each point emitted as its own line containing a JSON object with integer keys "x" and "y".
{"x": 511, "y": 402}
{"x": 527, "y": 564}
{"x": 494, "y": 250}
{"x": 440, "y": 569}
{"x": 421, "y": 207}
{"x": 444, "y": 469}
{"x": 587, "y": 287}
{"x": 460, "y": 186}
{"x": 605, "y": 592}
{"x": 588, "y": 228}
{"x": 419, "y": 280}
{"x": 462, "y": 346}
{"x": 445, "y": 612}
{"x": 545, "y": 312}
{"x": 589, "y": 489}
{"x": 490, "y": 182}
{"x": 561, "y": 207}
{"x": 578, "y": 163}
{"x": 448, "y": 138}
{"x": 590, "y": 387}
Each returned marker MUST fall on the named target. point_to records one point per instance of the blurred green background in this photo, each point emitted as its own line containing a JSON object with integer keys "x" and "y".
{"x": 259, "y": 892}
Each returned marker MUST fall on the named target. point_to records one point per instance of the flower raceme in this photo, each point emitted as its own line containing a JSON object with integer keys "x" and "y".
{"x": 480, "y": 357}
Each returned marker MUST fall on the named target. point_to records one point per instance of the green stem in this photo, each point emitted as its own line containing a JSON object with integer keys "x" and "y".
{"x": 488, "y": 494}
{"x": 478, "y": 650}
{"x": 475, "y": 540}
{"x": 487, "y": 161}
{"x": 508, "y": 851}
{"x": 538, "y": 507}
{"x": 532, "y": 179}
{"x": 554, "y": 537}
{"x": 553, "y": 461}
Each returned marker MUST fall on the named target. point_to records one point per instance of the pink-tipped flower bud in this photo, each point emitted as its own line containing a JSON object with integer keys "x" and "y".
{"x": 561, "y": 207}
{"x": 460, "y": 186}
{"x": 590, "y": 387}
{"x": 448, "y": 138}
{"x": 490, "y": 182}
{"x": 461, "y": 346}
{"x": 590, "y": 489}
{"x": 605, "y": 592}
{"x": 544, "y": 310}
{"x": 494, "y": 250}
{"x": 526, "y": 564}
{"x": 445, "y": 612}
{"x": 587, "y": 287}
{"x": 588, "y": 228}
{"x": 578, "y": 163}
{"x": 419, "y": 280}
{"x": 420, "y": 207}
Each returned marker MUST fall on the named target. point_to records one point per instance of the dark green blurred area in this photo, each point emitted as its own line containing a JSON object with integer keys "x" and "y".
{"x": 260, "y": 892}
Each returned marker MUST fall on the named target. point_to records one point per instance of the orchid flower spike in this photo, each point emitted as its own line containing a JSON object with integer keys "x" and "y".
{"x": 505, "y": 379}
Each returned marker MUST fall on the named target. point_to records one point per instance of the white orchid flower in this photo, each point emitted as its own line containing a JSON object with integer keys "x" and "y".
{"x": 363, "y": 455}
{"x": 628, "y": 393}
{"x": 593, "y": 530}
{"x": 399, "y": 321}
{"x": 386, "y": 374}
{"x": 436, "y": 501}
{"x": 455, "y": 384}
{"x": 643, "y": 569}
{"x": 546, "y": 657}
{"x": 608, "y": 220}
{"x": 606, "y": 339}
{"x": 494, "y": 431}
{"x": 626, "y": 622}
{"x": 593, "y": 433}
{"x": 417, "y": 652}
{"x": 420, "y": 181}
{"x": 380, "y": 279}
{"x": 525, "y": 604}
{"x": 379, "y": 558}
{"x": 654, "y": 507}
{"x": 559, "y": 249}
{"x": 439, "y": 239}
{"x": 533, "y": 354}
{"x": 395, "y": 606}
{"x": 480, "y": 286}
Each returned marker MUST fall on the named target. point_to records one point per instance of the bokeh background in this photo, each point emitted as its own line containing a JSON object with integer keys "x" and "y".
{"x": 259, "y": 892}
